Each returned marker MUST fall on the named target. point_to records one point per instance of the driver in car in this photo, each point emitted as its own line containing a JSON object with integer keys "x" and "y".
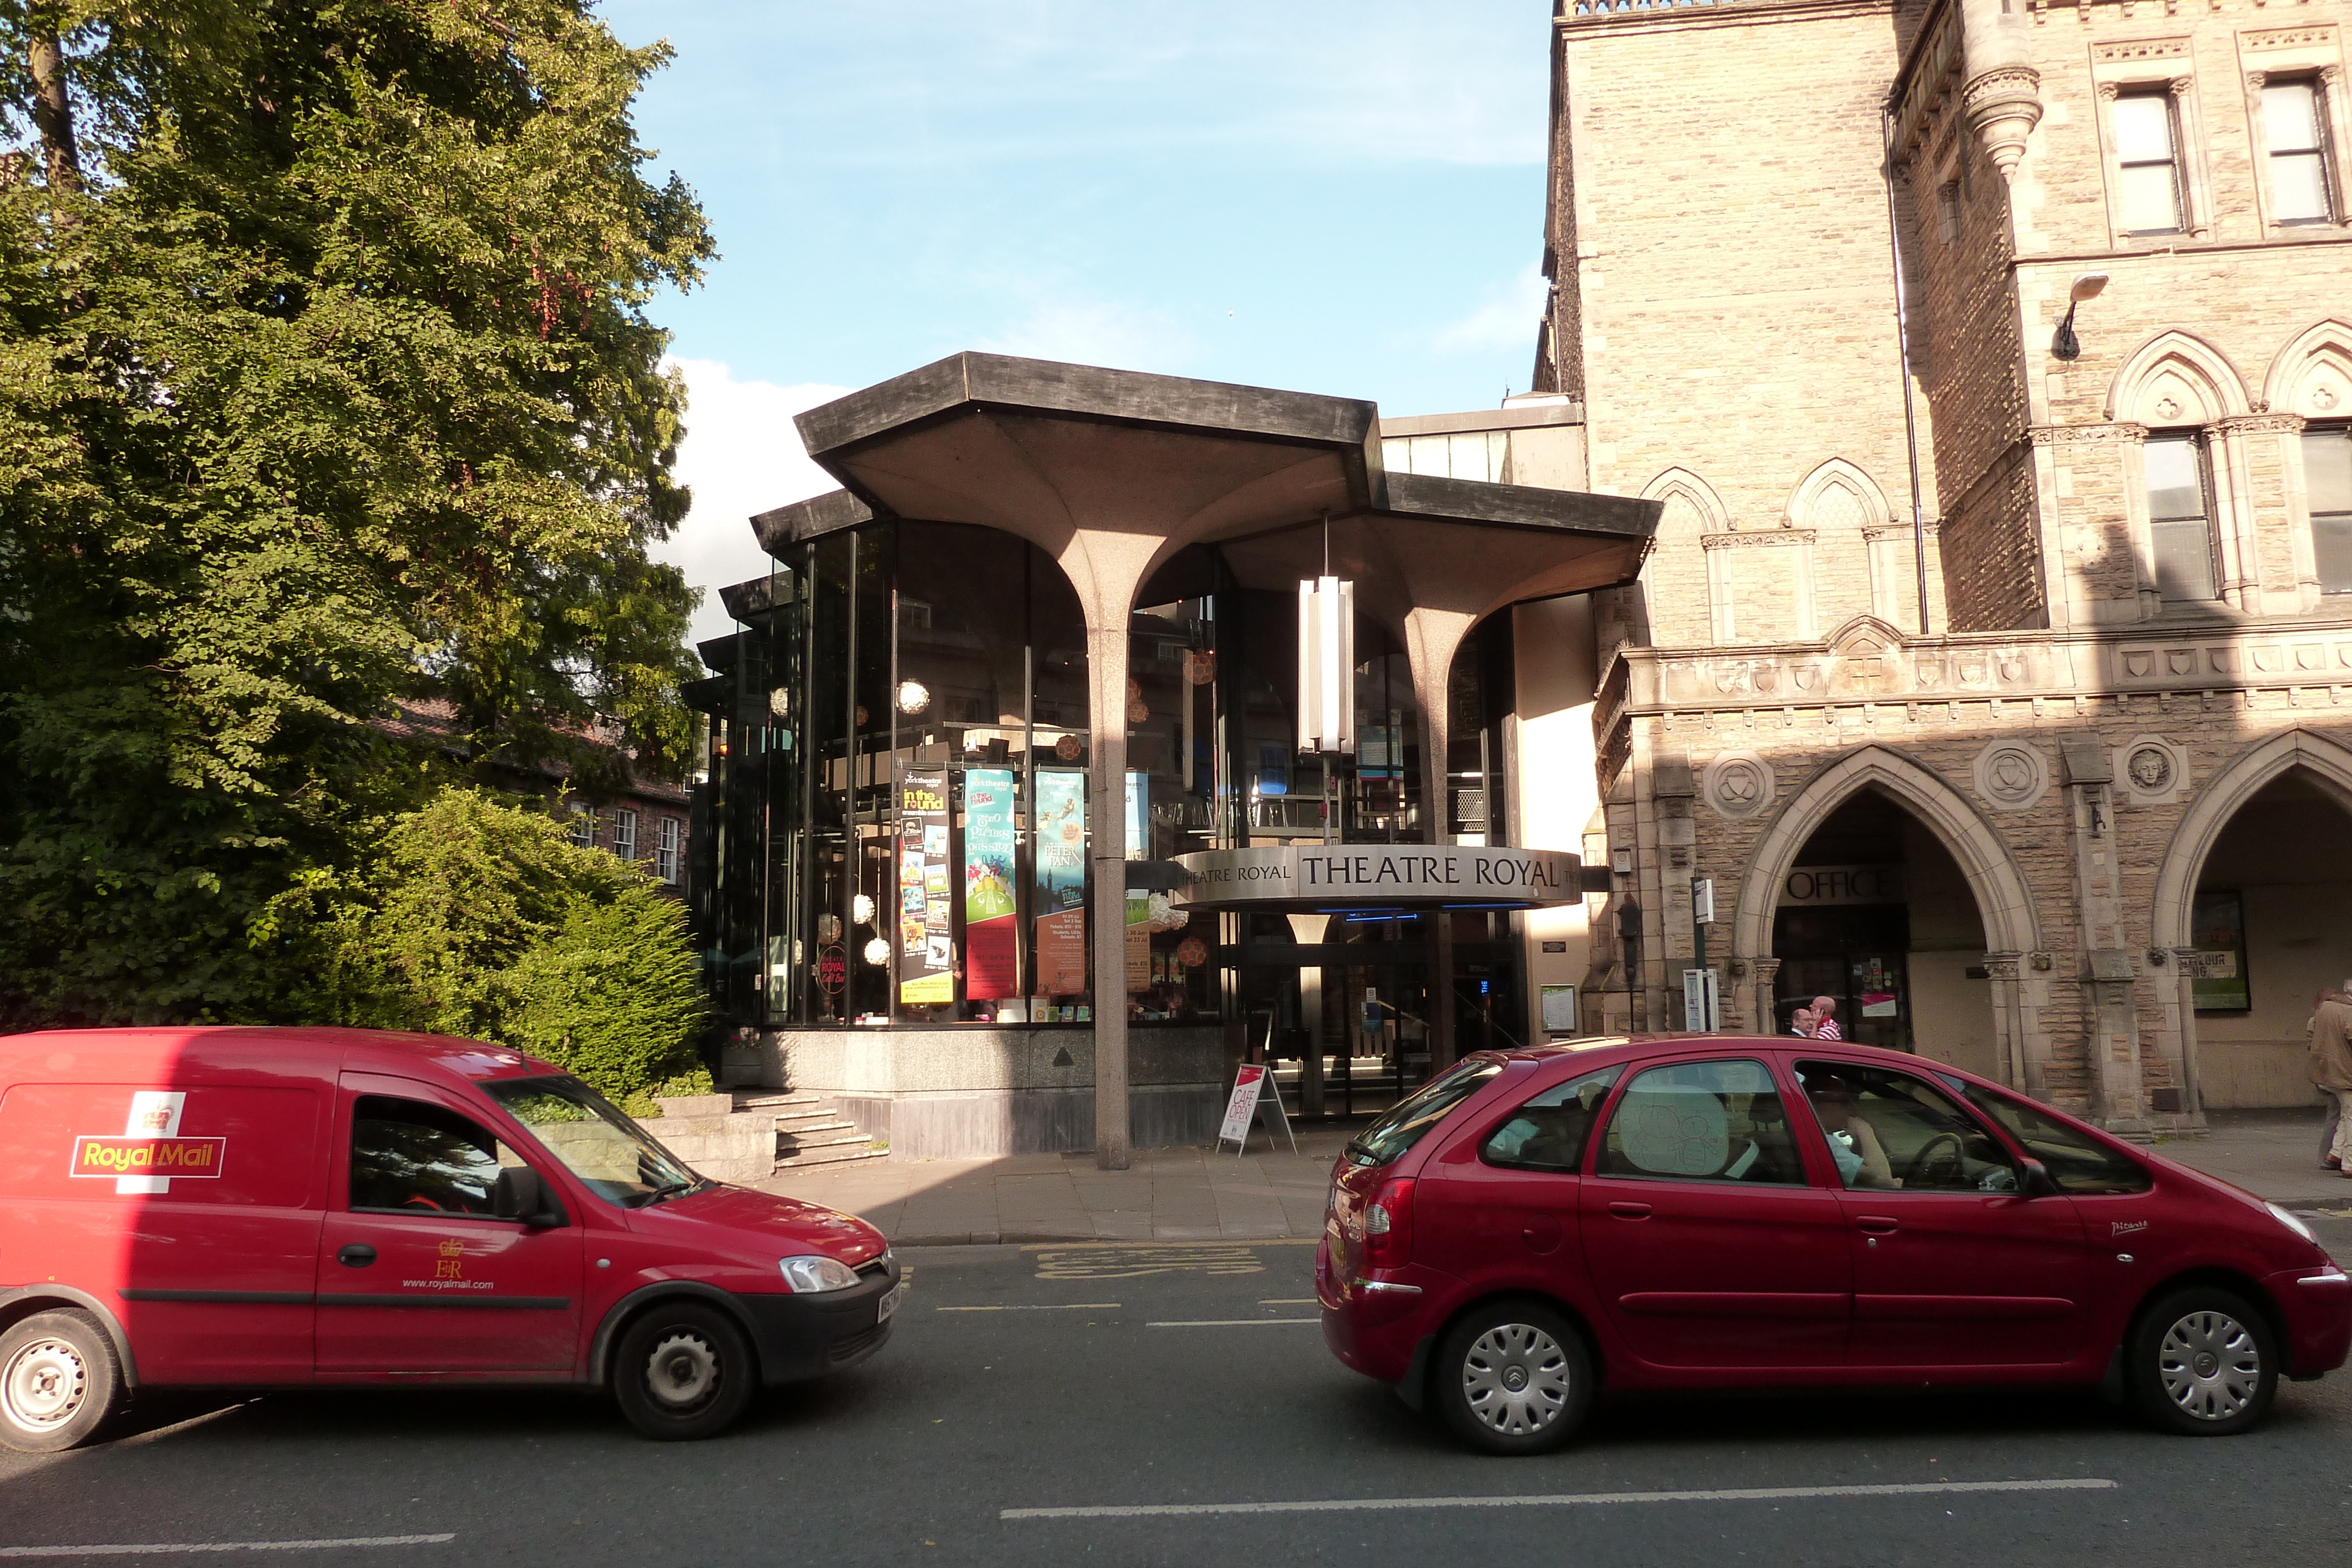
{"x": 1853, "y": 1141}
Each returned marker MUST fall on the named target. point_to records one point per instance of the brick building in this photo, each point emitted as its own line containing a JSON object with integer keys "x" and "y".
{"x": 2064, "y": 801}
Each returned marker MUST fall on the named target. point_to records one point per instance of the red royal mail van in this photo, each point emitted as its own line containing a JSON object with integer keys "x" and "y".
{"x": 274, "y": 1208}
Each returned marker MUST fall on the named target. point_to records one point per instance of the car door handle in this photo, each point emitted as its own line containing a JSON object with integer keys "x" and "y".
{"x": 1623, "y": 1210}
{"x": 1875, "y": 1225}
{"x": 357, "y": 1255}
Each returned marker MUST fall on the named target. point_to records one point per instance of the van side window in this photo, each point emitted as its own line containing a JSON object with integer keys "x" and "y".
{"x": 1705, "y": 1121}
{"x": 408, "y": 1157}
{"x": 1549, "y": 1132}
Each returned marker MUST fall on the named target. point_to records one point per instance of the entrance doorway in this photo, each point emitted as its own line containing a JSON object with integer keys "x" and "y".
{"x": 1877, "y": 915}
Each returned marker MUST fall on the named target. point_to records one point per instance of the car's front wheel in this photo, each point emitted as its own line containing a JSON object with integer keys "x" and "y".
{"x": 683, "y": 1370}
{"x": 59, "y": 1381}
{"x": 1513, "y": 1378}
{"x": 2201, "y": 1361}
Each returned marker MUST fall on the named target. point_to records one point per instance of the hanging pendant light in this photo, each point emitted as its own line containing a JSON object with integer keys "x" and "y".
{"x": 1326, "y": 661}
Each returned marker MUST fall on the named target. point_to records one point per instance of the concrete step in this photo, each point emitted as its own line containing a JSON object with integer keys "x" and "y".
{"x": 833, "y": 1156}
{"x": 779, "y": 1100}
{"x": 830, "y": 1138}
{"x": 815, "y": 1113}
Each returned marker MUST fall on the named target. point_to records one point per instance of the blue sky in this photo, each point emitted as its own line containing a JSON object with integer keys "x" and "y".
{"x": 1334, "y": 198}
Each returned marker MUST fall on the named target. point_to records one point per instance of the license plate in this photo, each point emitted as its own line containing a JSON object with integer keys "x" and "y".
{"x": 889, "y": 1304}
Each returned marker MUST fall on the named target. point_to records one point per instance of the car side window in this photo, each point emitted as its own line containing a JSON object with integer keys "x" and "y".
{"x": 1891, "y": 1130}
{"x": 409, "y": 1157}
{"x": 2078, "y": 1165}
{"x": 1549, "y": 1132}
{"x": 1706, "y": 1121}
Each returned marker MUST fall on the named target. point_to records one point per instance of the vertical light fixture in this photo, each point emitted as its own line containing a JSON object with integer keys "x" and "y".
{"x": 1326, "y": 661}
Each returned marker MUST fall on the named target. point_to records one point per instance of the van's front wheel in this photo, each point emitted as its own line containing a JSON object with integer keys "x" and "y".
{"x": 683, "y": 1370}
{"x": 59, "y": 1381}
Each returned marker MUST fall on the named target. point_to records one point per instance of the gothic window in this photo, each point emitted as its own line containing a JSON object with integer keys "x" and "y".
{"x": 2180, "y": 516}
{"x": 2327, "y": 482}
{"x": 2295, "y": 126}
{"x": 2148, "y": 144}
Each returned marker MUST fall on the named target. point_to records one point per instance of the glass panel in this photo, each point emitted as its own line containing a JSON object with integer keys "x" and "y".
{"x": 2078, "y": 1162}
{"x": 2176, "y": 478}
{"x": 1387, "y": 1140}
{"x": 2328, "y": 470}
{"x": 2184, "y": 560}
{"x": 1709, "y": 1120}
{"x": 414, "y": 1158}
{"x": 2298, "y": 188}
{"x": 2151, "y": 203}
{"x": 2291, "y": 117}
{"x": 2144, "y": 127}
{"x": 595, "y": 1141}
{"x": 1891, "y": 1130}
{"x": 1548, "y": 1132}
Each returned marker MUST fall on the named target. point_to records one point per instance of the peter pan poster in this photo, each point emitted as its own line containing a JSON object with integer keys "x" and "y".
{"x": 1061, "y": 900}
{"x": 926, "y": 936}
{"x": 991, "y": 947}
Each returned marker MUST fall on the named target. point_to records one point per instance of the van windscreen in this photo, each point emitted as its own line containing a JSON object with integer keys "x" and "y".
{"x": 595, "y": 1142}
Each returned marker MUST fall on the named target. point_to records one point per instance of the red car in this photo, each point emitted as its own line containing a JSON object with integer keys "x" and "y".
{"x": 295, "y": 1208}
{"x": 1721, "y": 1212}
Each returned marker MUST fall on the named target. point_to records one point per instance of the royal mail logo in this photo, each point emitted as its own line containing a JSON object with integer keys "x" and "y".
{"x": 103, "y": 1154}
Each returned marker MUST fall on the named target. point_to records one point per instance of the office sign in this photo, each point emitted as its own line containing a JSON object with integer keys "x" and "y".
{"x": 1814, "y": 886}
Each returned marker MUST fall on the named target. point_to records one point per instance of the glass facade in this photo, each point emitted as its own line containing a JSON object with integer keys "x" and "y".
{"x": 901, "y": 813}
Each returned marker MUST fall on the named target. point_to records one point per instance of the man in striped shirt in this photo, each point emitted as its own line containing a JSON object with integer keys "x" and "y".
{"x": 1825, "y": 1024}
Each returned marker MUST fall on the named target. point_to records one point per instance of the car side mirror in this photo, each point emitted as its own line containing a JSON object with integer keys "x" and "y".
{"x": 520, "y": 1195}
{"x": 2036, "y": 1181}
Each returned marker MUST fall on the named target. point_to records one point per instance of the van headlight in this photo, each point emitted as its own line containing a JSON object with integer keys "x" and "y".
{"x": 2291, "y": 1223}
{"x": 812, "y": 1275}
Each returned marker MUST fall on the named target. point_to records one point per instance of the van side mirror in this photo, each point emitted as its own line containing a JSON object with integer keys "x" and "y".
{"x": 520, "y": 1195}
{"x": 2037, "y": 1182}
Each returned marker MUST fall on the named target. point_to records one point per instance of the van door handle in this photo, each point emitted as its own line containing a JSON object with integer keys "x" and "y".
{"x": 356, "y": 1255}
{"x": 1624, "y": 1210}
{"x": 1875, "y": 1225}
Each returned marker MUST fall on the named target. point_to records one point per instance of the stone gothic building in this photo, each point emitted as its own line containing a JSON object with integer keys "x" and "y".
{"x": 2065, "y": 796}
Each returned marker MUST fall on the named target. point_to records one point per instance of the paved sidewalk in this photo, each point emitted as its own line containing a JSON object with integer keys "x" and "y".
{"x": 1193, "y": 1194}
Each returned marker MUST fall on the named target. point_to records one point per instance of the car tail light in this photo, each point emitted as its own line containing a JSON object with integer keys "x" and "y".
{"x": 1387, "y": 1224}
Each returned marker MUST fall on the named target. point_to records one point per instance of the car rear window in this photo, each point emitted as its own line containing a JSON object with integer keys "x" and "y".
{"x": 1385, "y": 1141}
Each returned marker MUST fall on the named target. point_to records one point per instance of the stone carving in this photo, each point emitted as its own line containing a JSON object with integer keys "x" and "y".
{"x": 2009, "y": 776}
{"x": 2002, "y": 106}
{"x": 1738, "y": 784}
{"x": 2151, "y": 768}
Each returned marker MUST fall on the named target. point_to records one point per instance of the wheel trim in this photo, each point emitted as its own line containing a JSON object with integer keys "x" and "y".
{"x": 2209, "y": 1366}
{"x": 44, "y": 1384}
{"x": 1516, "y": 1379}
{"x": 683, "y": 1373}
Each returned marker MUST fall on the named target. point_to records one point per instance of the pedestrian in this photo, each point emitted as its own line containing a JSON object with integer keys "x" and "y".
{"x": 2331, "y": 1069}
{"x": 1825, "y": 1024}
{"x": 2335, "y": 1112}
{"x": 1800, "y": 1022}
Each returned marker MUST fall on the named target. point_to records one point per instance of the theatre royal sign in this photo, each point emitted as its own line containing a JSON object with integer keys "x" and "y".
{"x": 1375, "y": 876}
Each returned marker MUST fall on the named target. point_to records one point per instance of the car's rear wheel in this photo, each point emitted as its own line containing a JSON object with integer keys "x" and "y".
{"x": 1513, "y": 1378}
{"x": 2201, "y": 1361}
{"x": 683, "y": 1370}
{"x": 59, "y": 1381}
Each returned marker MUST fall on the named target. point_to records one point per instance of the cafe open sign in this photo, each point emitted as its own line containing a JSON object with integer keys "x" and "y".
{"x": 1826, "y": 885}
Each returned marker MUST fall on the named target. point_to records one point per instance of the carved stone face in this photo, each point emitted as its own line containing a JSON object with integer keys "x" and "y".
{"x": 2151, "y": 768}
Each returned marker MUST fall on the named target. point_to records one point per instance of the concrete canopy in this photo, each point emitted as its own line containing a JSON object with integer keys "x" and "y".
{"x": 1113, "y": 473}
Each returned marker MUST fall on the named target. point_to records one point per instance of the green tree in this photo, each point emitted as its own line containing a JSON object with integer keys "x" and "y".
{"x": 326, "y": 380}
{"x": 482, "y": 919}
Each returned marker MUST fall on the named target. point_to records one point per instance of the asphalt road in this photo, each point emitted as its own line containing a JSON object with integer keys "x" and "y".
{"x": 1068, "y": 1377}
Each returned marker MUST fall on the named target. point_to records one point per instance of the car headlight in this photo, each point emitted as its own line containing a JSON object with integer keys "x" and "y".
{"x": 813, "y": 1275}
{"x": 2291, "y": 1223}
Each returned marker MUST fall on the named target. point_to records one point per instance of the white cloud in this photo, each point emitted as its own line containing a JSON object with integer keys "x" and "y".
{"x": 1507, "y": 319}
{"x": 1122, "y": 337}
{"x": 741, "y": 455}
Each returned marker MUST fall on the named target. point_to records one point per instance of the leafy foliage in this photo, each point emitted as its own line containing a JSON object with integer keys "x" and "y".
{"x": 325, "y": 380}
{"x": 482, "y": 919}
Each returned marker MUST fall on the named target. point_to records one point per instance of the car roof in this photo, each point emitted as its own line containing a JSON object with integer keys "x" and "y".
{"x": 278, "y": 1051}
{"x": 1603, "y": 1050}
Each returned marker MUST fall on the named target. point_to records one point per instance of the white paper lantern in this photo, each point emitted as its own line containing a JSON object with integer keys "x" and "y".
{"x": 913, "y": 697}
{"x": 878, "y": 952}
{"x": 861, "y": 910}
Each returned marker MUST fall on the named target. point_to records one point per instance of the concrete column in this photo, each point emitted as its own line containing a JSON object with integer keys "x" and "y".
{"x": 2111, "y": 1032}
{"x": 2009, "y": 1028}
{"x": 1106, "y": 711}
{"x": 1306, "y": 928}
{"x": 1431, "y": 638}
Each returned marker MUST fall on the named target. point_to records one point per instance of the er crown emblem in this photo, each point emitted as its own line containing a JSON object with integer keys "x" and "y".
{"x": 453, "y": 1248}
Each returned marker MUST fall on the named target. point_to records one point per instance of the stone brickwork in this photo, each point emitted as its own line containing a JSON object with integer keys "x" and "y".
{"x": 1723, "y": 306}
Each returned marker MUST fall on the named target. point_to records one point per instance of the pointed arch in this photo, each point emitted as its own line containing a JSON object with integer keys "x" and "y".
{"x": 2180, "y": 372}
{"x": 1681, "y": 483}
{"x": 1846, "y": 513}
{"x": 1694, "y": 513}
{"x": 1811, "y": 503}
{"x": 2311, "y": 376}
{"x": 2002, "y": 899}
{"x": 2328, "y": 763}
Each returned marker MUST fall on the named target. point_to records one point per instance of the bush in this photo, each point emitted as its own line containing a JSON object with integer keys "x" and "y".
{"x": 482, "y": 919}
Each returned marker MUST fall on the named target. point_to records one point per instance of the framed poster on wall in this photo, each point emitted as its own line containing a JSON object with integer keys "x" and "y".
{"x": 2217, "y": 926}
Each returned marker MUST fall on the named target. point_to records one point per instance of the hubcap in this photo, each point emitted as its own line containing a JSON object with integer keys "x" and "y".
{"x": 1516, "y": 1379}
{"x": 44, "y": 1384}
{"x": 682, "y": 1372}
{"x": 2209, "y": 1366}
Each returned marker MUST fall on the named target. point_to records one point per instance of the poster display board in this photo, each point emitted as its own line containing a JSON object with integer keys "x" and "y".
{"x": 1559, "y": 1009}
{"x": 926, "y": 914}
{"x": 1253, "y": 1094}
{"x": 1138, "y": 944}
{"x": 1061, "y": 890}
{"x": 991, "y": 944}
{"x": 2217, "y": 925}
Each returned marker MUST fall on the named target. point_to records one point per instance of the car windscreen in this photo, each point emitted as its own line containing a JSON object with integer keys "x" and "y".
{"x": 595, "y": 1142}
{"x": 1386, "y": 1140}
{"x": 2078, "y": 1164}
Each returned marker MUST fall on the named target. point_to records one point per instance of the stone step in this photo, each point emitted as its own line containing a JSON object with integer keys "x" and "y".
{"x": 801, "y": 1118}
{"x": 780, "y": 1099}
{"x": 833, "y": 1156}
{"x": 830, "y": 1138}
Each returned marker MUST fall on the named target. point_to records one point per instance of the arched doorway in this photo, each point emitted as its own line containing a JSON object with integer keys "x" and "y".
{"x": 1876, "y": 914}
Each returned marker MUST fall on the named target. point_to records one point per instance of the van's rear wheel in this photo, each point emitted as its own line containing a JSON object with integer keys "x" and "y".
{"x": 683, "y": 1370}
{"x": 59, "y": 1381}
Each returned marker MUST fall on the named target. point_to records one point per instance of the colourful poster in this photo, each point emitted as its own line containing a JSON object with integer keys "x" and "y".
{"x": 926, "y": 926}
{"x": 991, "y": 951}
{"x": 1138, "y": 944}
{"x": 1061, "y": 892}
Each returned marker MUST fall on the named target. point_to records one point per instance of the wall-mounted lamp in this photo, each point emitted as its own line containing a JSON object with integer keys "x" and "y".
{"x": 2087, "y": 287}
